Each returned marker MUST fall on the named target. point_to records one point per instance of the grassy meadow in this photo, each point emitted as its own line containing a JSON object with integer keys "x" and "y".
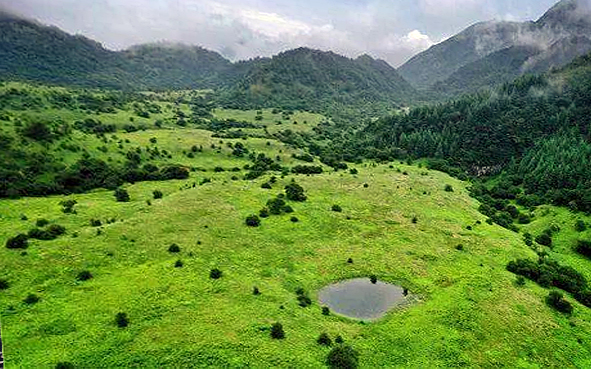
{"x": 397, "y": 222}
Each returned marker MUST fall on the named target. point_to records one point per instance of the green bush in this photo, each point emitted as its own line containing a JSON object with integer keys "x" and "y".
{"x": 544, "y": 239}
{"x": 41, "y": 222}
{"x": 253, "y": 221}
{"x": 121, "y": 195}
{"x": 121, "y": 320}
{"x": 343, "y": 357}
{"x": 324, "y": 339}
{"x": 373, "y": 279}
{"x": 580, "y": 226}
{"x": 157, "y": 194}
{"x": 215, "y": 273}
{"x": 556, "y": 300}
{"x": 277, "y": 331}
{"x": 178, "y": 264}
{"x": 4, "y": 284}
{"x": 295, "y": 192}
{"x": 84, "y": 275}
{"x": 20, "y": 241}
{"x": 448, "y": 188}
{"x": 584, "y": 248}
{"x": 337, "y": 208}
{"x": 325, "y": 310}
{"x": 264, "y": 213}
{"x": 31, "y": 299}
{"x": 294, "y": 219}
{"x": 256, "y": 291}
{"x": 174, "y": 248}
{"x": 96, "y": 222}
{"x": 64, "y": 365}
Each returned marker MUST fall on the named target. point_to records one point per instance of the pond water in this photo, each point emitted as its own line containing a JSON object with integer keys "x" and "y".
{"x": 360, "y": 299}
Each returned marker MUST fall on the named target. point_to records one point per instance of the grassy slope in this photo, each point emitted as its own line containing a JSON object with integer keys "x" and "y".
{"x": 468, "y": 311}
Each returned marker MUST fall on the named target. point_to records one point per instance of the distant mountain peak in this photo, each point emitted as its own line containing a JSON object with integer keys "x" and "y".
{"x": 561, "y": 34}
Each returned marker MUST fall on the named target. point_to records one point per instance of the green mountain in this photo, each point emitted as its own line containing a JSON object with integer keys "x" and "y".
{"x": 503, "y": 50}
{"x": 31, "y": 51}
{"x": 311, "y": 79}
{"x": 177, "y": 66}
{"x": 534, "y": 130}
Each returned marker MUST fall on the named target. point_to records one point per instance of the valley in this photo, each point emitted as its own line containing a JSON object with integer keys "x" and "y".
{"x": 163, "y": 207}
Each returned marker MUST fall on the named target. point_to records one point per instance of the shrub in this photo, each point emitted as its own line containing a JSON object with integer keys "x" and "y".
{"x": 4, "y": 284}
{"x": 448, "y": 188}
{"x": 415, "y": 220}
{"x": 174, "y": 248}
{"x": 178, "y": 264}
{"x": 64, "y": 365}
{"x": 121, "y": 320}
{"x": 339, "y": 339}
{"x": 253, "y": 221}
{"x": 324, "y": 340}
{"x": 288, "y": 209}
{"x": 353, "y": 171}
{"x": 584, "y": 248}
{"x": 337, "y": 208}
{"x": 373, "y": 279}
{"x": 264, "y": 213}
{"x": 350, "y": 261}
{"x": 325, "y": 310}
{"x": 266, "y": 185}
{"x": 460, "y": 247}
{"x": 84, "y": 275}
{"x": 255, "y": 291}
{"x": 303, "y": 299}
{"x": 365, "y": 185}
{"x": 51, "y": 233}
{"x": 307, "y": 169}
{"x": 556, "y": 300}
{"x": 96, "y": 222}
{"x": 41, "y": 222}
{"x": 20, "y": 241}
{"x": 342, "y": 357}
{"x": 580, "y": 226}
{"x": 294, "y": 219}
{"x": 295, "y": 192}
{"x": 544, "y": 239}
{"x": 520, "y": 281}
{"x": 277, "y": 331}
{"x": 157, "y": 194}
{"x": 121, "y": 195}
{"x": 276, "y": 206}
{"x": 31, "y": 299}
{"x": 215, "y": 273}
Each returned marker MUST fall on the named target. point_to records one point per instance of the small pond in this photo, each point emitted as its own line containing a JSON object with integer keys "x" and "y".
{"x": 360, "y": 299}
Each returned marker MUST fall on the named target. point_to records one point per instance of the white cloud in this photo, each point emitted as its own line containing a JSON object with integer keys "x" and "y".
{"x": 391, "y": 30}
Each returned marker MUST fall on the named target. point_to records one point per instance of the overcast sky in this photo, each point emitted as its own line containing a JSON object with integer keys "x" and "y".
{"x": 392, "y": 30}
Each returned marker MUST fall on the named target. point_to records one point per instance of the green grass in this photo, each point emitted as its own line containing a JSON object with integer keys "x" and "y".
{"x": 468, "y": 311}
{"x": 300, "y": 121}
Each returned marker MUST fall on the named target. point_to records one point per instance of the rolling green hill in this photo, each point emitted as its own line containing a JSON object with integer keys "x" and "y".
{"x": 405, "y": 224}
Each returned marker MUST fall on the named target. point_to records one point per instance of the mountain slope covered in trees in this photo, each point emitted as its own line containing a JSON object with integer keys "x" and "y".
{"x": 560, "y": 35}
{"x": 310, "y": 79}
{"x": 535, "y": 131}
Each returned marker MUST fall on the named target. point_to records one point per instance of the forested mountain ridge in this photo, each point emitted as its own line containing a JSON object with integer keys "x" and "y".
{"x": 560, "y": 35}
{"x": 535, "y": 131}
{"x": 32, "y": 51}
{"x": 302, "y": 78}
{"x": 177, "y": 66}
{"x": 311, "y": 79}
